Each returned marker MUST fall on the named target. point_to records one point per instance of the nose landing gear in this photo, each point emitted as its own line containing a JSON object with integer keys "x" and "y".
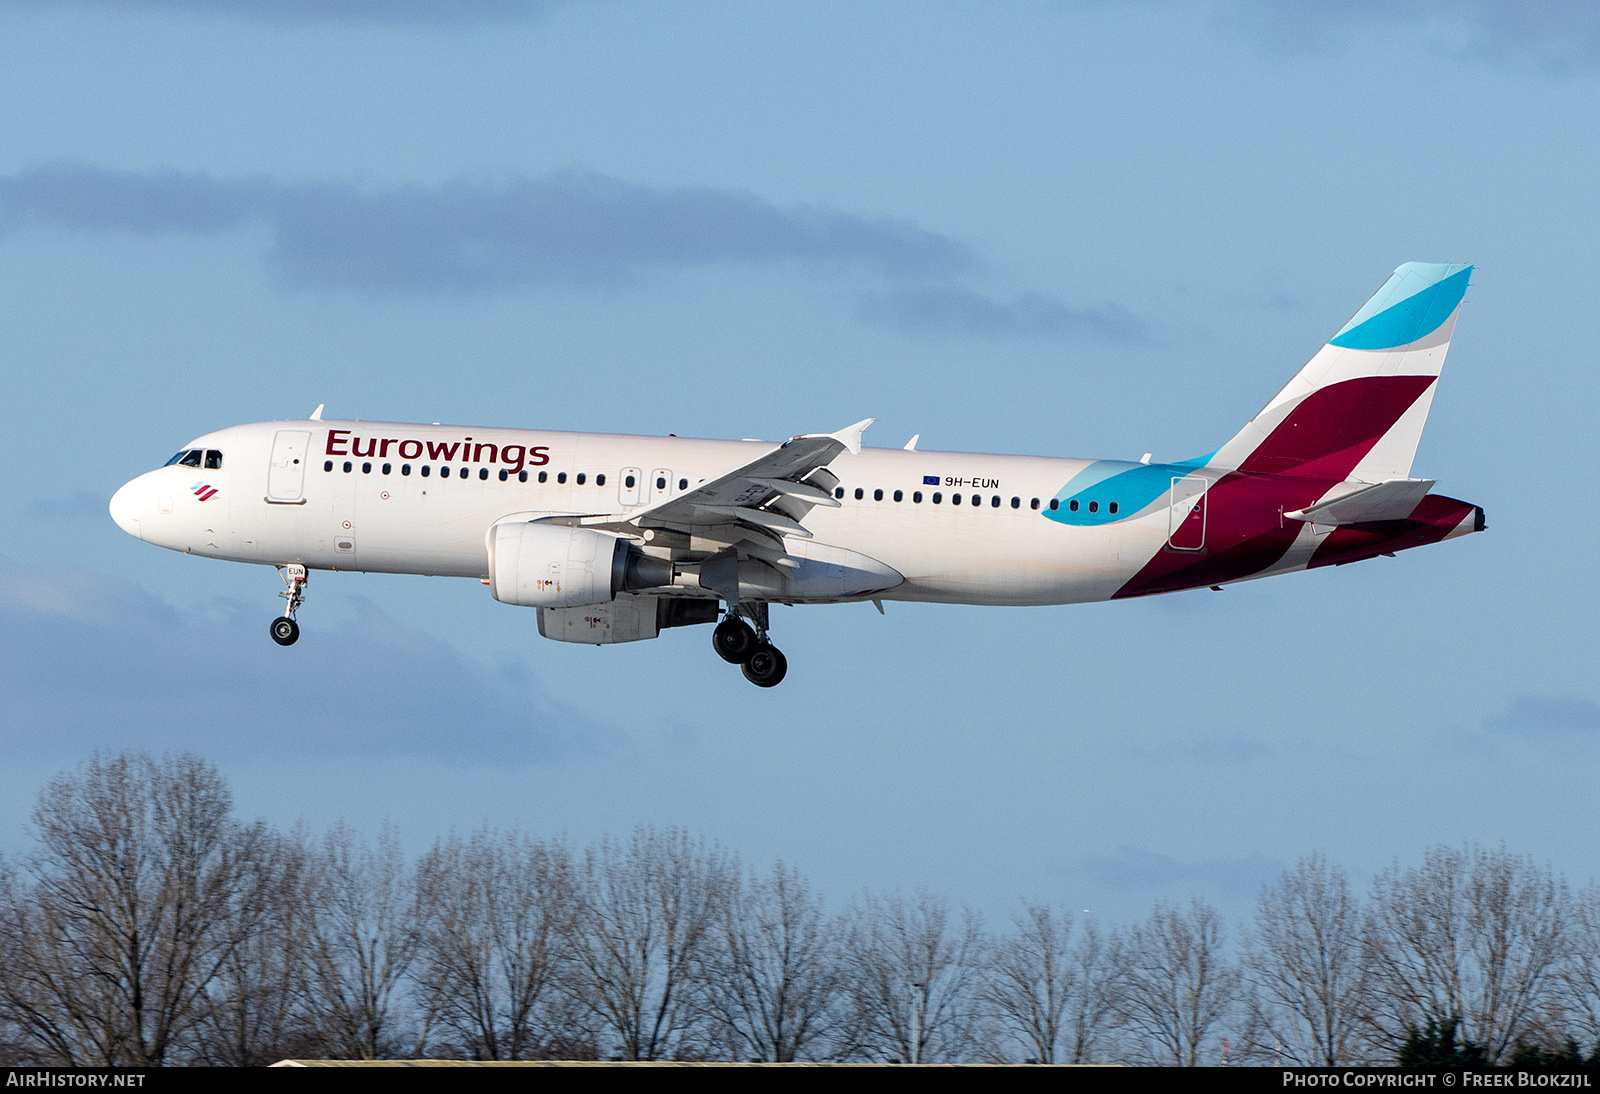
{"x": 285, "y": 631}
{"x": 740, "y": 644}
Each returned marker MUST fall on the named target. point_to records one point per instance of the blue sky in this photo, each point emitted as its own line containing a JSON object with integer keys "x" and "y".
{"x": 1091, "y": 229}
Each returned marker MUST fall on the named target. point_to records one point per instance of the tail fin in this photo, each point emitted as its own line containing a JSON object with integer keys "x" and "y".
{"x": 1357, "y": 409}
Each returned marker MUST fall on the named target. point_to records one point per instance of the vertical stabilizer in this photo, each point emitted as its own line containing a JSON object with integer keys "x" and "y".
{"x": 1357, "y": 409}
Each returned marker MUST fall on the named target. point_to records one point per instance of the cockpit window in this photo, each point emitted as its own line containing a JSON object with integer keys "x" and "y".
{"x": 176, "y": 458}
{"x": 191, "y": 458}
{"x": 213, "y": 459}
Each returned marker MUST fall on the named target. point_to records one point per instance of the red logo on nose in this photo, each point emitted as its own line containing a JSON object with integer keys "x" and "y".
{"x": 203, "y": 490}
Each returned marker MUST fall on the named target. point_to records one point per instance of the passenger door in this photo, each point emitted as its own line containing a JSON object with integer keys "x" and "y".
{"x": 286, "y": 476}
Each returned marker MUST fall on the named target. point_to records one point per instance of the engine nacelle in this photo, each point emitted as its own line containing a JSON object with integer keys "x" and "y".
{"x": 539, "y": 565}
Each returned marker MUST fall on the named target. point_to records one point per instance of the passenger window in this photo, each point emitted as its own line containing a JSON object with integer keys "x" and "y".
{"x": 839, "y": 492}
{"x": 916, "y": 496}
{"x": 504, "y": 474}
{"x": 955, "y": 499}
{"x": 405, "y": 469}
{"x": 327, "y": 465}
{"x": 1112, "y": 508}
{"x": 191, "y": 458}
{"x": 627, "y": 481}
{"x": 444, "y": 472}
{"x": 424, "y": 470}
{"x": 1016, "y": 503}
{"x": 937, "y": 497}
{"x": 877, "y": 495}
{"x": 561, "y": 476}
{"x": 683, "y": 484}
{"x": 860, "y": 493}
{"x": 1094, "y": 507}
{"x": 483, "y": 474}
{"x": 994, "y": 502}
{"x": 346, "y": 467}
{"x": 661, "y": 483}
{"x": 213, "y": 459}
{"x": 899, "y": 496}
{"x": 463, "y": 472}
{"x": 544, "y": 476}
{"x": 1054, "y": 504}
{"x": 600, "y": 479}
{"x": 1072, "y": 505}
{"x": 1034, "y": 504}
{"x": 366, "y": 469}
{"x": 388, "y": 467}
{"x": 582, "y": 478}
{"x": 522, "y": 476}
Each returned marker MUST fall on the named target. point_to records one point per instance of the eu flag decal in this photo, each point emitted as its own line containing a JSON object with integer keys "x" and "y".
{"x": 930, "y": 480}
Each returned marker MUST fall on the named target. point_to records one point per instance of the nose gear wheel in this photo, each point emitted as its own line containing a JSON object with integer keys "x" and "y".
{"x": 285, "y": 631}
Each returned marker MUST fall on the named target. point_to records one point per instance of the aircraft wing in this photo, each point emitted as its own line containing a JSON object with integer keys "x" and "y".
{"x": 1395, "y": 499}
{"x": 764, "y": 500}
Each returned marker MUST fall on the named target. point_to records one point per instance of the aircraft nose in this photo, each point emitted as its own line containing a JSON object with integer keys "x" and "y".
{"x": 125, "y": 509}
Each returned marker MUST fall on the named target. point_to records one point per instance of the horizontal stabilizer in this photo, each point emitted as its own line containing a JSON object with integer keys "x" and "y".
{"x": 1396, "y": 499}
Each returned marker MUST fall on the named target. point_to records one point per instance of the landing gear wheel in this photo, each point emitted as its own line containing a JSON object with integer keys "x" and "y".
{"x": 733, "y": 640}
{"x": 766, "y": 666}
{"x": 285, "y": 631}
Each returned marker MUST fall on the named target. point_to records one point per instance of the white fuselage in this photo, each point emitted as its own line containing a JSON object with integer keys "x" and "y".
{"x": 395, "y": 511}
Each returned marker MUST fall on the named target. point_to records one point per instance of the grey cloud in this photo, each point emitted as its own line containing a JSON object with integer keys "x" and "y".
{"x": 571, "y": 228}
{"x": 477, "y": 236}
{"x": 1137, "y": 869}
{"x": 944, "y": 310}
{"x": 1558, "y": 35}
{"x": 1548, "y": 716}
{"x": 82, "y": 505}
{"x": 424, "y": 12}
{"x": 88, "y": 661}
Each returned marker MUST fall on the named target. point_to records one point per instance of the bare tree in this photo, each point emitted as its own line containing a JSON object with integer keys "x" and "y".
{"x": 1177, "y": 983}
{"x": 142, "y": 889}
{"x": 497, "y": 913}
{"x": 774, "y": 971}
{"x": 909, "y": 964}
{"x": 255, "y": 1009}
{"x": 1054, "y": 995}
{"x": 363, "y": 936}
{"x": 646, "y": 911}
{"x": 1472, "y": 934}
{"x": 12, "y": 1052}
{"x": 1305, "y": 965}
{"x": 1580, "y": 976}
{"x": 1095, "y": 1010}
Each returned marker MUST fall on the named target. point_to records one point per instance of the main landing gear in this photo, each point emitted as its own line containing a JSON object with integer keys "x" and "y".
{"x": 740, "y": 644}
{"x": 285, "y": 631}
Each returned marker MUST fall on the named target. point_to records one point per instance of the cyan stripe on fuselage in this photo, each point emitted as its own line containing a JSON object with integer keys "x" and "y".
{"x": 1133, "y": 486}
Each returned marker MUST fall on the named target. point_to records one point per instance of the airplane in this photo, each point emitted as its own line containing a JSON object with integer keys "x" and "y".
{"x": 617, "y": 538}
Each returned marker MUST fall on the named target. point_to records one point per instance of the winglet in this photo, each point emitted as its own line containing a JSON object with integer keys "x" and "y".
{"x": 911, "y": 445}
{"x": 850, "y": 435}
{"x": 316, "y": 415}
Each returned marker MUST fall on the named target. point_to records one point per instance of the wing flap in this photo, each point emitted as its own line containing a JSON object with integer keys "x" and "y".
{"x": 746, "y": 495}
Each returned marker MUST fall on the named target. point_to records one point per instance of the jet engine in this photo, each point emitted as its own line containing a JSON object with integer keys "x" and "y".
{"x": 539, "y": 565}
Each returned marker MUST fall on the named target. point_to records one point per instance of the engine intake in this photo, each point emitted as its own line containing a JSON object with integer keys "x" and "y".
{"x": 539, "y": 565}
